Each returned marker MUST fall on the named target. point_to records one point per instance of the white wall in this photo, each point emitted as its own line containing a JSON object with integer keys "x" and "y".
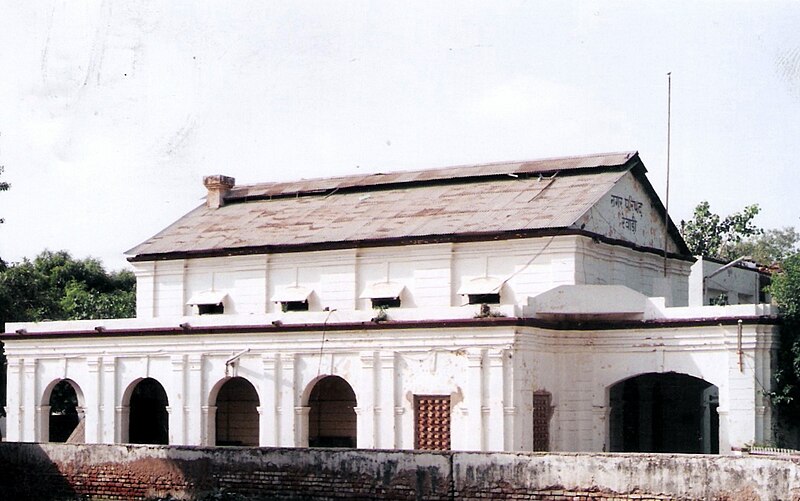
{"x": 490, "y": 373}
{"x": 628, "y": 213}
{"x": 432, "y": 274}
{"x": 580, "y": 367}
{"x": 741, "y": 285}
{"x": 385, "y": 369}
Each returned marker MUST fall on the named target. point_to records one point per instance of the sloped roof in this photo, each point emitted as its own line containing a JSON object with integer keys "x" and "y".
{"x": 490, "y": 199}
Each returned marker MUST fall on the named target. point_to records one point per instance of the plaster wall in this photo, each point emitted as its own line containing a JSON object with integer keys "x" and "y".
{"x": 384, "y": 368}
{"x": 490, "y": 374}
{"x": 627, "y": 212}
{"x": 579, "y": 368}
{"x": 431, "y": 275}
{"x": 740, "y": 285}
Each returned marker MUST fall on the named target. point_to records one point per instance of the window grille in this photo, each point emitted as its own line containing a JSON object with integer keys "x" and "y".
{"x": 432, "y": 418}
{"x": 541, "y": 420}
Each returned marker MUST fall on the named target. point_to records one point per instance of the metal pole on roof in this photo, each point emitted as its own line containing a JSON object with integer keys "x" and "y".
{"x": 666, "y": 201}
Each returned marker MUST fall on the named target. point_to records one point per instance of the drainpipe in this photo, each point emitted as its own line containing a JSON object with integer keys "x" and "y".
{"x": 229, "y": 363}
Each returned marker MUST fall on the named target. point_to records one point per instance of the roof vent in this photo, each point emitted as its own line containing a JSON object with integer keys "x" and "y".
{"x": 218, "y": 186}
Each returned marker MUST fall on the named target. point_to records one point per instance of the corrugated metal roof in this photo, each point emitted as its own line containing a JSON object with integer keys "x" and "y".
{"x": 460, "y": 200}
{"x": 543, "y": 166}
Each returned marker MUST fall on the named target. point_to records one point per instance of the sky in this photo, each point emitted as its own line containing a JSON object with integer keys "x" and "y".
{"x": 112, "y": 111}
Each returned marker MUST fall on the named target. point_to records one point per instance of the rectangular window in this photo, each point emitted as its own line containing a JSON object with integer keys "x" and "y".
{"x": 432, "y": 422}
{"x": 294, "y": 305}
{"x": 541, "y": 420}
{"x": 385, "y": 302}
{"x": 210, "y": 309}
{"x": 484, "y": 298}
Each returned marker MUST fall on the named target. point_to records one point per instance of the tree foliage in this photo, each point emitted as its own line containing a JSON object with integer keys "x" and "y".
{"x": 55, "y": 286}
{"x": 709, "y": 235}
{"x": 785, "y": 290}
{"x": 771, "y": 247}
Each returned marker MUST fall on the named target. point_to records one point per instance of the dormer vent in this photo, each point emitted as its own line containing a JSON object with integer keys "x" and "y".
{"x": 218, "y": 186}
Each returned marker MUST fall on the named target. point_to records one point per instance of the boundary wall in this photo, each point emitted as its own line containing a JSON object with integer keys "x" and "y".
{"x": 141, "y": 472}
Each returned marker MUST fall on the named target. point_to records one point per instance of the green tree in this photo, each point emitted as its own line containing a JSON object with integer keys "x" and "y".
{"x": 771, "y": 247}
{"x": 785, "y": 290}
{"x": 81, "y": 303}
{"x": 709, "y": 235}
{"x": 55, "y": 286}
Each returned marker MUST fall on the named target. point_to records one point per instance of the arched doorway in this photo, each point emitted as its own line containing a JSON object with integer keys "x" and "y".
{"x": 331, "y": 417}
{"x": 149, "y": 420}
{"x": 64, "y": 413}
{"x": 237, "y": 418}
{"x": 667, "y": 412}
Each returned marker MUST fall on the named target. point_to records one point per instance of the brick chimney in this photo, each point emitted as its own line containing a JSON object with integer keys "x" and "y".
{"x": 218, "y": 186}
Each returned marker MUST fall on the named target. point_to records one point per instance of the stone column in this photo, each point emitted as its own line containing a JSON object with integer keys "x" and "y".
{"x": 494, "y": 391}
{"x": 400, "y": 440}
{"x": 508, "y": 403}
{"x": 172, "y": 438}
{"x": 123, "y": 413}
{"x": 384, "y": 402}
{"x": 31, "y": 420}
{"x": 268, "y": 422}
{"x": 365, "y": 420}
{"x": 107, "y": 374}
{"x": 14, "y": 409}
{"x": 473, "y": 403}
{"x": 43, "y": 412}
{"x": 194, "y": 400}
{"x": 210, "y": 427}
{"x": 288, "y": 436}
{"x": 177, "y": 419}
{"x": 94, "y": 393}
{"x": 301, "y": 426}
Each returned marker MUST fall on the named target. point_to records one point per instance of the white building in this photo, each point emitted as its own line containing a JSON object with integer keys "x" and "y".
{"x": 513, "y": 306}
{"x": 739, "y": 282}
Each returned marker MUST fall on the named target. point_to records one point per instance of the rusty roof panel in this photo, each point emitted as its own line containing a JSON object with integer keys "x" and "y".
{"x": 407, "y": 209}
{"x": 325, "y": 185}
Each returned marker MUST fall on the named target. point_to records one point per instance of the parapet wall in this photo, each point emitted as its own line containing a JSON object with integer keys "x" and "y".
{"x": 65, "y": 471}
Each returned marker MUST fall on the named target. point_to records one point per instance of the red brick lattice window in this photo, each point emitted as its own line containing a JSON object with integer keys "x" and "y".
{"x": 432, "y": 419}
{"x": 541, "y": 420}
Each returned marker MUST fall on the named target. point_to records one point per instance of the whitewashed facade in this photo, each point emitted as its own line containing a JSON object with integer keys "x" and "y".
{"x": 587, "y": 305}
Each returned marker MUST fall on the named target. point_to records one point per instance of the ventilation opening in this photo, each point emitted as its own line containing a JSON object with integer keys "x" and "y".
{"x": 211, "y": 309}
{"x": 294, "y": 305}
{"x": 385, "y": 302}
{"x": 484, "y": 298}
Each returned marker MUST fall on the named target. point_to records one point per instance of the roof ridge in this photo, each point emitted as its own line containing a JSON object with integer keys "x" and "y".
{"x": 464, "y": 171}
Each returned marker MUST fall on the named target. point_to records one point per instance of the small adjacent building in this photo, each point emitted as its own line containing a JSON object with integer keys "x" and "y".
{"x": 522, "y": 306}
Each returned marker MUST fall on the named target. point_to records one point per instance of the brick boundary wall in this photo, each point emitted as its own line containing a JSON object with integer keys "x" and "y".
{"x": 104, "y": 472}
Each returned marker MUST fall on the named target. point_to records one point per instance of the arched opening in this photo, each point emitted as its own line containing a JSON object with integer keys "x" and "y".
{"x": 64, "y": 414}
{"x": 331, "y": 417}
{"x": 237, "y": 418}
{"x": 149, "y": 420}
{"x": 668, "y": 412}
